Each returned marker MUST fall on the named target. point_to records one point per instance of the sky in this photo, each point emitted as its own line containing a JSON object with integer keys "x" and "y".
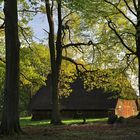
{"x": 39, "y": 23}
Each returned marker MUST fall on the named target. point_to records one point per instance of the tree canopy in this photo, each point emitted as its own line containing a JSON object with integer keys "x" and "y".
{"x": 98, "y": 41}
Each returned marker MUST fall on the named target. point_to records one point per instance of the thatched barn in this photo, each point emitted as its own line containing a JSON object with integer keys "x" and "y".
{"x": 81, "y": 103}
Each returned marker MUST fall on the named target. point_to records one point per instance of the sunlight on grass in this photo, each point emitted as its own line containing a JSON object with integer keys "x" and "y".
{"x": 87, "y": 120}
{"x": 26, "y": 121}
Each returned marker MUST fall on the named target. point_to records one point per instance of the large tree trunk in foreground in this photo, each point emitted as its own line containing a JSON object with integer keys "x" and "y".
{"x": 138, "y": 43}
{"x": 55, "y": 101}
{"x": 10, "y": 118}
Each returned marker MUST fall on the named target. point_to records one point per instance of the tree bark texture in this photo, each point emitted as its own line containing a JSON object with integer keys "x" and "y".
{"x": 10, "y": 119}
{"x": 54, "y": 71}
{"x": 138, "y": 43}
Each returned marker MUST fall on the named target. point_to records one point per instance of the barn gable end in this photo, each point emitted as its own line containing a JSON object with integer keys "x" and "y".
{"x": 126, "y": 108}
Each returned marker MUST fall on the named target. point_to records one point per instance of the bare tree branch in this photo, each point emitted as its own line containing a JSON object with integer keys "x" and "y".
{"x": 127, "y": 55}
{"x": 80, "y": 49}
{"x": 30, "y": 80}
{"x": 52, "y": 7}
{"x": 30, "y": 11}
{"x": 129, "y": 63}
{"x": 73, "y": 44}
{"x": 2, "y": 60}
{"x": 2, "y": 25}
{"x": 121, "y": 13}
{"x": 65, "y": 27}
{"x": 66, "y": 16}
{"x": 23, "y": 32}
{"x": 130, "y": 33}
{"x": 77, "y": 44}
{"x": 112, "y": 27}
{"x": 46, "y": 31}
{"x": 130, "y": 8}
{"x": 2, "y": 18}
{"x": 75, "y": 63}
{"x": 135, "y": 5}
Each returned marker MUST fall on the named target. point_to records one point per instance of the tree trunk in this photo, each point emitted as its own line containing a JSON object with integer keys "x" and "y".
{"x": 59, "y": 41}
{"x": 138, "y": 43}
{"x": 58, "y": 66}
{"x": 55, "y": 101}
{"x": 10, "y": 119}
{"x": 139, "y": 74}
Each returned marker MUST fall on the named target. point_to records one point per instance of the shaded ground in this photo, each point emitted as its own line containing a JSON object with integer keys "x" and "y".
{"x": 129, "y": 130}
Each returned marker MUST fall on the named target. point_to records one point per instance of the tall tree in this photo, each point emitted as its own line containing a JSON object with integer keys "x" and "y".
{"x": 54, "y": 66}
{"x": 56, "y": 48}
{"x": 10, "y": 118}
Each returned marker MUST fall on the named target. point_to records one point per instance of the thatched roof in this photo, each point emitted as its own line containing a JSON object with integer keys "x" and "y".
{"x": 41, "y": 100}
{"x": 79, "y": 99}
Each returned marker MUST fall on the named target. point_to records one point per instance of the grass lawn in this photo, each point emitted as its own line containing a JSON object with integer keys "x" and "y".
{"x": 26, "y": 121}
{"x": 94, "y": 129}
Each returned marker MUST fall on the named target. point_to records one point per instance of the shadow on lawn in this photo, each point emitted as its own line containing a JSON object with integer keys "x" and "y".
{"x": 94, "y": 129}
